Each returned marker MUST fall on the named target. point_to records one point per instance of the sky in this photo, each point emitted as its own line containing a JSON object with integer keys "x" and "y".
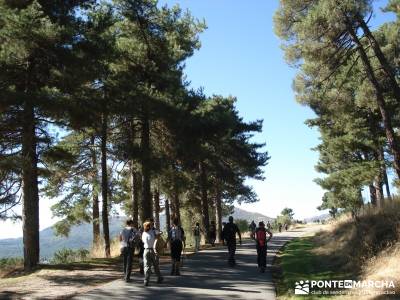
{"x": 241, "y": 56}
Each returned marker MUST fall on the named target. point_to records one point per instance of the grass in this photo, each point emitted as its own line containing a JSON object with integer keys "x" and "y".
{"x": 298, "y": 262}
{"x": 365, "y": 248}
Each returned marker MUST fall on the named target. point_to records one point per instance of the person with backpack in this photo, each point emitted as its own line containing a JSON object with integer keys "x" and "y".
{"x": 261, "y": 245}
{"x": 127, "y": 238}
{"x": 150, "y": 256}
{"x": 212, "y": 233}
{"x": 252, "y": 229}
{"x": 176, "y": 237}
{"x": 196, "y": 234}
{"x": 229, "y": 237}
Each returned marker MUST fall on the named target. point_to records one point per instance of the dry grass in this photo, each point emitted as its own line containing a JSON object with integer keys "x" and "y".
{"x": 368, "y": 247}
{"x": 97, "y": 250}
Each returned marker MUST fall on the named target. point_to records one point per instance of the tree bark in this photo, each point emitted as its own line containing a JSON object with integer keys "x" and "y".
{"x": 104, "y": 186}
{"x": 390, "y": 73}
{"x": 204, "y": 200}
{"x": 134, "y": 195}
{"x": 176, "y": 204}
{"x": 379, "y": 190}
{"x": 167, "y": 215}
{"x": 145, "y": 162}
{"x": 218, "y": 213}
{"x": 156, "y": 198}
{"x": 372, "y": 194}
{"x": 385, "y": 114}
{"x": 30, "y": 205}
{"x": 95, "y": 194}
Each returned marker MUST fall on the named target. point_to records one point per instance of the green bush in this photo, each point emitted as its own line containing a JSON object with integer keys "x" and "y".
{"x": 8, "y": 262}
{"x": 65, "y": 256}
{"x": 243, "y": 225}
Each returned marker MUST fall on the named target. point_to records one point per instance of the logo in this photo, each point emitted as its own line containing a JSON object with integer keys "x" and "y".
{"x": 302, "y": 287}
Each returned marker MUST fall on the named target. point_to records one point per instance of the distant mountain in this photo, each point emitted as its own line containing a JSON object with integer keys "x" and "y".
{"x": 322, "y": 217}
{"x": 81, "y": 235}
{"x": 248, "y": 216}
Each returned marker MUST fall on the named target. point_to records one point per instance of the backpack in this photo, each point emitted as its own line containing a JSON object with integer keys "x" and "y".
{"x": 159, "y": 245}
{"x": 133, "y": 236}
{"x": 196, "y": 231}
{"x": 261, "y": 236}
{"x": 176, "y": 234}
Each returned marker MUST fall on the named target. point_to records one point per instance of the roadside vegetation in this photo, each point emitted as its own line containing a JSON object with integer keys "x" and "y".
{"x": 365, "y": 248}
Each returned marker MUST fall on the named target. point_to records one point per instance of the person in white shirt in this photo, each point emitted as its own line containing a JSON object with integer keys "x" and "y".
{"x": 149, "y": 256}
{"x": 127, "y": 239}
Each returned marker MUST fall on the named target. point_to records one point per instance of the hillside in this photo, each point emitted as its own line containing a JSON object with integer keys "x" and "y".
{"x": 248, "y": 216}
{"x": 81, "y": 236}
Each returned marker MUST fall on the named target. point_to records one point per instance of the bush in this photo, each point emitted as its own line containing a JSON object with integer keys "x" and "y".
{"x": 65, "y": 256}
{"x": 11, "y": 262}
{"x": 243, "y": 225}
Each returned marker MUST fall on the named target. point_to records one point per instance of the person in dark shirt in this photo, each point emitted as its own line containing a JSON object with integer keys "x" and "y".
{"x": 212, "y": 233}
{"x": 229, "y": 237}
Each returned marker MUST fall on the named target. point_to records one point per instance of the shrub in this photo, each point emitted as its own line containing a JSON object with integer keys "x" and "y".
{"x": 65, "y": 256}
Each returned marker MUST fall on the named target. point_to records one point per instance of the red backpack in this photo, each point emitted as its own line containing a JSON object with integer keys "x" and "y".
{"x": 261, "y": 236}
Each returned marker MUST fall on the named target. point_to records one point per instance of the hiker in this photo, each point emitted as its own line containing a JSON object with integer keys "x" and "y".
{"x": 176, "y": 237}
{"x": 286, "y": 226}
{"x": 149, "y": 256}
{"x": 127, "y": 238}
{"x": 269, "y": 225}
{"x": 252, "y": 229}
{"x": 261, "y": 245}
{"x": 196, "y": 233}
{"x": 280, "y": 227}
{"x": 229, "y": 236}
{"x": 212, "y": 233}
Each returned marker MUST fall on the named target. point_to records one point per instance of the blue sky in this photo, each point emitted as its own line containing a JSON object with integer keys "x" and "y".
{"x": 241, "y": 56}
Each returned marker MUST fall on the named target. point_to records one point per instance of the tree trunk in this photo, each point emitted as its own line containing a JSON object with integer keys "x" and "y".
{"x": 167, "y": 215}
{"x": 379, "y": 190}
{"x": 95, "y": 194}
{"x": 390, "y": 73}
{"x": 385, "y": 114}
{"x": 372, "y": 194}
{"x": 104, "y": 186}
{"x": 204, "y": 200}
{"x": 156, "y": 198}
{"x": 218, "y": 213}
{"x": 30, "y": 205}
{"x": 176, "y": 204}
{"x": 145, "y": 162}
{"x": 134, "y": 195}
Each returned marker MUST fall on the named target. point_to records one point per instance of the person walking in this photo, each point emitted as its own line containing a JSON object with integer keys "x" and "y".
{"x": 196, "y": 233}
{"x": 127, "y": 238}
{"x": 252, "y": 229}
{"x": 149, "y": 256}
{"x": 269, "y": 225}
{"x": 176, "y": 237}
{"x": 229, "y": 237}
{"x": 261, "y": 245}
{"x": 212, "y": 233}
